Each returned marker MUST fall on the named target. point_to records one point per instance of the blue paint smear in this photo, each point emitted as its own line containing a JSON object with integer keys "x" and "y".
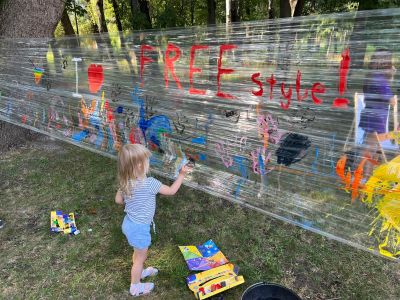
{"x": 100, "y": 137}
{"x": 240, "y": 163}
{"x": 110, "y": 140}
{"x": 183, "y": 162}
{"x": 261, "y": 164}
{"x": 78, "y": 137}
{"x": 152, "y": 127}
{"x": 238, "y": 187}
{"x": 120, "y": 109}
{"x": 94, "y": 120}
{"x": 202, "y": 156}
{"x": 155, "y": 162}
{"x": 307, "y": 224}
{"x": 123, "y": 135}
{"x": 199, "y": 140}
{"x": 9, "y": 108}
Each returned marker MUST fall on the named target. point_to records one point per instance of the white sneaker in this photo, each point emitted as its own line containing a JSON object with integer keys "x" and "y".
{"x": 139, "y": 289}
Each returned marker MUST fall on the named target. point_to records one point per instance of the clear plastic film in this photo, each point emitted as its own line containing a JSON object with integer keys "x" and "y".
{"x": 295, "y": 118}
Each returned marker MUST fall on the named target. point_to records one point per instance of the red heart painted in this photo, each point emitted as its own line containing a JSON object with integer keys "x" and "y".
{"x": 95, "y": 77}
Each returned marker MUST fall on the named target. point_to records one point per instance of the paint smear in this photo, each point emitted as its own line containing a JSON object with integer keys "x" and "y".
{"x": 382, "y": 195}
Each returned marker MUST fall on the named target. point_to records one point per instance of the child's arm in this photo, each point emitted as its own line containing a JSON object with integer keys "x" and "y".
{"x": 171, "y": 190}
{"x": 118, "y": 198}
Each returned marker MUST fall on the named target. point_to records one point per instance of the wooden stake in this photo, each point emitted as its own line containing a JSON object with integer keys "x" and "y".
{"x": 380, "y": 147}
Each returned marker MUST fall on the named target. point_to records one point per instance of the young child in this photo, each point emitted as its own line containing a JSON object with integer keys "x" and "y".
{"x": 138, "y": 193}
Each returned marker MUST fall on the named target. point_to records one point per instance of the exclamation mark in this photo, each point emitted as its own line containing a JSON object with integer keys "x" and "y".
{"x": 343, "y": 72}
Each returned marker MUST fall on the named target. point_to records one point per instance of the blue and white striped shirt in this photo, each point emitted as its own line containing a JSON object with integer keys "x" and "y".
{"x": 140, "y": 206}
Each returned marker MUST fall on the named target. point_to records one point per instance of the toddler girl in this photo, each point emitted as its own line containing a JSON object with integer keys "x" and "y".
{"x": 138, "y": 193}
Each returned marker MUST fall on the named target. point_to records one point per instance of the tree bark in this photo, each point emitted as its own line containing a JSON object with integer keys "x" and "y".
{"x": 144, "y": 9}
{"x": 284, "y": 9}
{"x": 235, "y": 11}
{"x": 271, "y": 13}
{"x": 24, "y": 19}
{"x": 34, "y": 18}
{"x": 102, "y": 18}
{"x": 367, "y": 4}
{"x": 291, "y": 8}
{"x": 192, "y": 8}
{"x": 140, "y": 9}
{"x": 66, "y": 24}
{"x": 211, "y": 7}
{"x": 117, "y": 15}
{"x": 299, "y": 8}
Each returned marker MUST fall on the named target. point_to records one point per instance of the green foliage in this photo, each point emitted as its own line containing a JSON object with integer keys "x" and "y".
{"x": 125, "y": 15}
{"x": 59, "y": 32}
{"x": 167, "y": 18}
{"x": 73, "y": 6}
{"x": 329, "y": 6}
{"x": 182, "y": 13}
{"x": 139, "y": 21}
{"x": 176, "y": 13}
{"x": 334, "y": 6}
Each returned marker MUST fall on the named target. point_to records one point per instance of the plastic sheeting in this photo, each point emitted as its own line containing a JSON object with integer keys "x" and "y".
{"x": 267, "y": 111}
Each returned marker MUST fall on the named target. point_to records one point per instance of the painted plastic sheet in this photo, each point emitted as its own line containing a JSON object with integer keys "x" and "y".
{"x": 291, "y": 117}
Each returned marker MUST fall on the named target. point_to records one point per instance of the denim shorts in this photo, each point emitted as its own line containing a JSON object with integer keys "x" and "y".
{"x": 138, "y": 235}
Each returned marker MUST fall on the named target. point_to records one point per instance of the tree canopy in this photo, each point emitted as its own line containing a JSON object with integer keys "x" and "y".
{"x": 92, "y": 16}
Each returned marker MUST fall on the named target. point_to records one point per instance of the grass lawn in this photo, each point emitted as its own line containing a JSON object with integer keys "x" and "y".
{"x": 35, "y": 264}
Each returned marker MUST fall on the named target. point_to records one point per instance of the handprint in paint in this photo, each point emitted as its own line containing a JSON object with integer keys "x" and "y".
{"x": 153, "y": 127}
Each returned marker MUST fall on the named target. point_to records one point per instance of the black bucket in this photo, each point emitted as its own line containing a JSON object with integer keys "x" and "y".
{"x": 268, "y": 291}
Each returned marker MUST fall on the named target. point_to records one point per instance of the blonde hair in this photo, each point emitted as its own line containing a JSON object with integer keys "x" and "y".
{"x": 133, "y": 165}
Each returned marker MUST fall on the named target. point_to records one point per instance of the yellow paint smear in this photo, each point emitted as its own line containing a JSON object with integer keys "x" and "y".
{"x": 382, "y": 192}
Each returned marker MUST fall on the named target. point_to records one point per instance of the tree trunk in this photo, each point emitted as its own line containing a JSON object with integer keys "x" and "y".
{"x": 367, "y": 4}
{"x": 19, "y": 20}
{"x": 235, "y": 11}
{"x": 140, "y": 14}
{"x": 284, "y": 9}
{"x": 211, "y": 7}
{"x": 299, "y": 8}
{"x": 66, "y": 24}
{"x": 38, "y": 19}
{"x": 291, "y": 8}
{"x": 145, "y": 10}
{"x": 271, "y": 13}
{"x": 192, "y": 8}
{"x": 117, "y": 15}
{"x": 102, "y": 18}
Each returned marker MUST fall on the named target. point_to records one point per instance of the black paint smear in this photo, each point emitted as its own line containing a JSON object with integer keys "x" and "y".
{"x": 232, "y": 115}
{"x": 351, "y": 160}
{"x": 292, "y": 148}
{"x": 192, "y": 162}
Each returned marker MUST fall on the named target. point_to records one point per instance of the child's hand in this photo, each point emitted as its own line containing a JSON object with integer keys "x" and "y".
{"x": 184, "y": 170}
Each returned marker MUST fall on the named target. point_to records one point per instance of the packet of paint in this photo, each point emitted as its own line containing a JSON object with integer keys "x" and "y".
{"x": 183, "y": 163}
